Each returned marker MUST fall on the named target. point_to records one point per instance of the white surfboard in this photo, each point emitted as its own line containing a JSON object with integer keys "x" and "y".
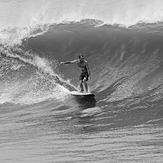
{"x": 84, "y": 94}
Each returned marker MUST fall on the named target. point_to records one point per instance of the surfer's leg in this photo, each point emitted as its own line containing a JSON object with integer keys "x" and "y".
{"x": 81, "y": 82}
{"x": 85, "y": 81}
{"x": 81, "y": 86}
{"x": 85, "y": 85}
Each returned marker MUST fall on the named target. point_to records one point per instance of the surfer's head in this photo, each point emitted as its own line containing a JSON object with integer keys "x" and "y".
{"x": 81, "y": 56}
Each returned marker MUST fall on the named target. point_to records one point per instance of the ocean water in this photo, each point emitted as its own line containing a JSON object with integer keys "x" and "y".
{"x": 41, "y": 122}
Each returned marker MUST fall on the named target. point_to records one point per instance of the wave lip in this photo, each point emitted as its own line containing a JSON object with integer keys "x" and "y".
{"x": 126, "y": 13}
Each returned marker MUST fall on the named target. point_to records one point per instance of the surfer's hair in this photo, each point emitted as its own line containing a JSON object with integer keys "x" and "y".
{"x": 81, "y": 55}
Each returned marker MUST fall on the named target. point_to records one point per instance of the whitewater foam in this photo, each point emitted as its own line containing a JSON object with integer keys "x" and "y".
{"x": 127, "y": 13}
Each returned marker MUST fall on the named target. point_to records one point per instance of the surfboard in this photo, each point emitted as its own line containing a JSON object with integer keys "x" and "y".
{"x": 82, "y": 94}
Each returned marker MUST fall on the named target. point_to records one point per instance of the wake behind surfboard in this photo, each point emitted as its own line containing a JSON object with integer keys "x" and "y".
{"x": 82, "y": 94}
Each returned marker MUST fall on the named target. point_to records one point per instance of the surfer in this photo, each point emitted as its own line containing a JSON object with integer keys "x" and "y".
{"x": 85, "y": 72}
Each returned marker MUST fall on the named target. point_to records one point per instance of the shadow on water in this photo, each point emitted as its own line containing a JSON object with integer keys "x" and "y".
{"x": 85, "y": 102}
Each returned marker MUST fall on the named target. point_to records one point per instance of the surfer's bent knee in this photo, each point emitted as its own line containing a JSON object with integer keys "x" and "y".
{"x": 84, "y": 80}
{"x": 81, "y": 81}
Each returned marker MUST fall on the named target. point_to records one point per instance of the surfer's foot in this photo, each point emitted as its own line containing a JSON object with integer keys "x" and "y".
{"x": 82, "y": 91}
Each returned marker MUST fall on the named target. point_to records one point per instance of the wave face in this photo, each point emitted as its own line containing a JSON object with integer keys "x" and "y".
{"x": 122, "y": 42}
{"x": 124, "y": 61}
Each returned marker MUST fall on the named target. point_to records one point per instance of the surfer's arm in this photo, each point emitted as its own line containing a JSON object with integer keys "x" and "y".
{"x": 69, "y": 62}
{"x": 89, "y": 74}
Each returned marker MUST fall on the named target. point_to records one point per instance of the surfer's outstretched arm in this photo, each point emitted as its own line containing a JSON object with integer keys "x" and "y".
{"x": 69, "y": 62}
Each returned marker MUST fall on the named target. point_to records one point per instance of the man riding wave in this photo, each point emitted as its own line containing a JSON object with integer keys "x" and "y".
{"x": 85, "y": 72}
